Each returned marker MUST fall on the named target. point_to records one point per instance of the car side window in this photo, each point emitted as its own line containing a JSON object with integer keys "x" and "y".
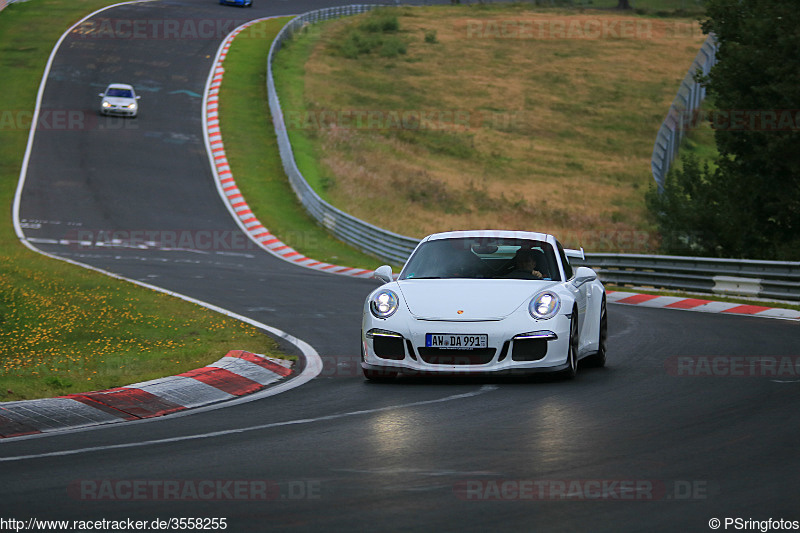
{"x": 564, "y": 261}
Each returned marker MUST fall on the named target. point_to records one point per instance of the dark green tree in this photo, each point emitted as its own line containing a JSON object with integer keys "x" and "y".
{"x": 749, "y": 206}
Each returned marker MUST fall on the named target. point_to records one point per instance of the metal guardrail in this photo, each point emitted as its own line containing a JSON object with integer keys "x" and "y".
{"x": 766, "y": 279}
{"x": 681, "y": 113}
{"x": 371, "y": 239}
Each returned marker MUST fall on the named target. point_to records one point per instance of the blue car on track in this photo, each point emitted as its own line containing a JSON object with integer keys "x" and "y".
{"x": 240, "y": 3}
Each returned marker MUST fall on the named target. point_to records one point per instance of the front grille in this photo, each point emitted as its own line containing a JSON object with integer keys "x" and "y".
{"x": 442, "y": 356}
{"x": 529, "y": 349}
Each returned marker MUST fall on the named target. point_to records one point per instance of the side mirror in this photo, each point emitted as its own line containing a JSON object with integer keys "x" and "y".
{"x": 102, "y": 95}
{"x": 383, "y": 273}
{"x": 583, "y": 275}
{"x": 137, "y": 96}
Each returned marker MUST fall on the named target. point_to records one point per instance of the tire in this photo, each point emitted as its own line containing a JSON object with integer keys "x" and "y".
{"x": 598, "y": 359}
{"x": 572, "y": 352}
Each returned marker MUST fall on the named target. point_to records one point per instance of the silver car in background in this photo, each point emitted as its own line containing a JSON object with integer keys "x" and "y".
{"x": 119, "y": 99}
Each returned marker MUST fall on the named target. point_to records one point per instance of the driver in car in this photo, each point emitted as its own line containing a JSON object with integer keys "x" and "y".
{"x": 525, "y": 265}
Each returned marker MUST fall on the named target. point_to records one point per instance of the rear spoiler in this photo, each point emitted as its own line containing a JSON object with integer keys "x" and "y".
{"x": 575, "y": 254}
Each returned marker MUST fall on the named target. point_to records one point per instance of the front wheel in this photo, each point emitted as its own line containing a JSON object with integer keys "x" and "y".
{"x": 572, "y": 351}
{"x": 598, "y": 359}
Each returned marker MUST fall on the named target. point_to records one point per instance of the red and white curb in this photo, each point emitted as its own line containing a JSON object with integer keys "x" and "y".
{"x": 226, "y": 184}
{"x": 237, "y": 374}
{"x": 700, "y": 305}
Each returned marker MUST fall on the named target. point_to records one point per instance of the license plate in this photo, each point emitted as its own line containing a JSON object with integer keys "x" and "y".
{"x": 455, "y": 341}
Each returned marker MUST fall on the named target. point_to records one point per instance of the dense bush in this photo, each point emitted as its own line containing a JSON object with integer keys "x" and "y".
{"x": 749, "y": 205}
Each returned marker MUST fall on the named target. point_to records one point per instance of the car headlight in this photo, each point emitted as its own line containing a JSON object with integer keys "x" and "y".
{"x": 106, "y": 104}
{"x": 383, "y": 303}
{"x": 132, "y": 106}
{"x": 544, "y": 305}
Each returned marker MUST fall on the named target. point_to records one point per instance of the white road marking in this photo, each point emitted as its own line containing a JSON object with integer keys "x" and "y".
{"x": 213, "y": 434}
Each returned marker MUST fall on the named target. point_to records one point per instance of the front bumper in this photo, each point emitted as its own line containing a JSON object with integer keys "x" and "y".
{"x": 514, "y": 346}
{"x": 119, "y": 111}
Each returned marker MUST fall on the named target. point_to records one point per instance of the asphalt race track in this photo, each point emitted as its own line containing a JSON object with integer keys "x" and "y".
{"x": 632, "y": 447}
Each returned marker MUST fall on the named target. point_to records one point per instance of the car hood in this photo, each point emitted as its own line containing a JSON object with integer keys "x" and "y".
{"x": 115, "y": 100}
{"x": 467, "y": 299}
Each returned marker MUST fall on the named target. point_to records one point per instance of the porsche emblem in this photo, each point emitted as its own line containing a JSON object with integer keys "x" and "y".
{"x": 460, "y": 311}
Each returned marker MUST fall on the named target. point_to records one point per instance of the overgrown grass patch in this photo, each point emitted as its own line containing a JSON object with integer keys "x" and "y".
{"x": 557, "y": 129}
{"x": 377, "y": 33}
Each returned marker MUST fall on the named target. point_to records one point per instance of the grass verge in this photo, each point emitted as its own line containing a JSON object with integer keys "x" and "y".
{"x": 64, "y": 329}
{"x": 252, "y": 151}
{"x": 699, "y": 142}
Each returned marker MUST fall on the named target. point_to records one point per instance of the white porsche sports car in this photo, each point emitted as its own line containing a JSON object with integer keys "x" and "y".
{"x": 469, "y": 302}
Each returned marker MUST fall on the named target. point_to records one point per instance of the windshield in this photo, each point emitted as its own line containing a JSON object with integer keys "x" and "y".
{"x": 483, "y": 258}
{"x": 119, "y": 93}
